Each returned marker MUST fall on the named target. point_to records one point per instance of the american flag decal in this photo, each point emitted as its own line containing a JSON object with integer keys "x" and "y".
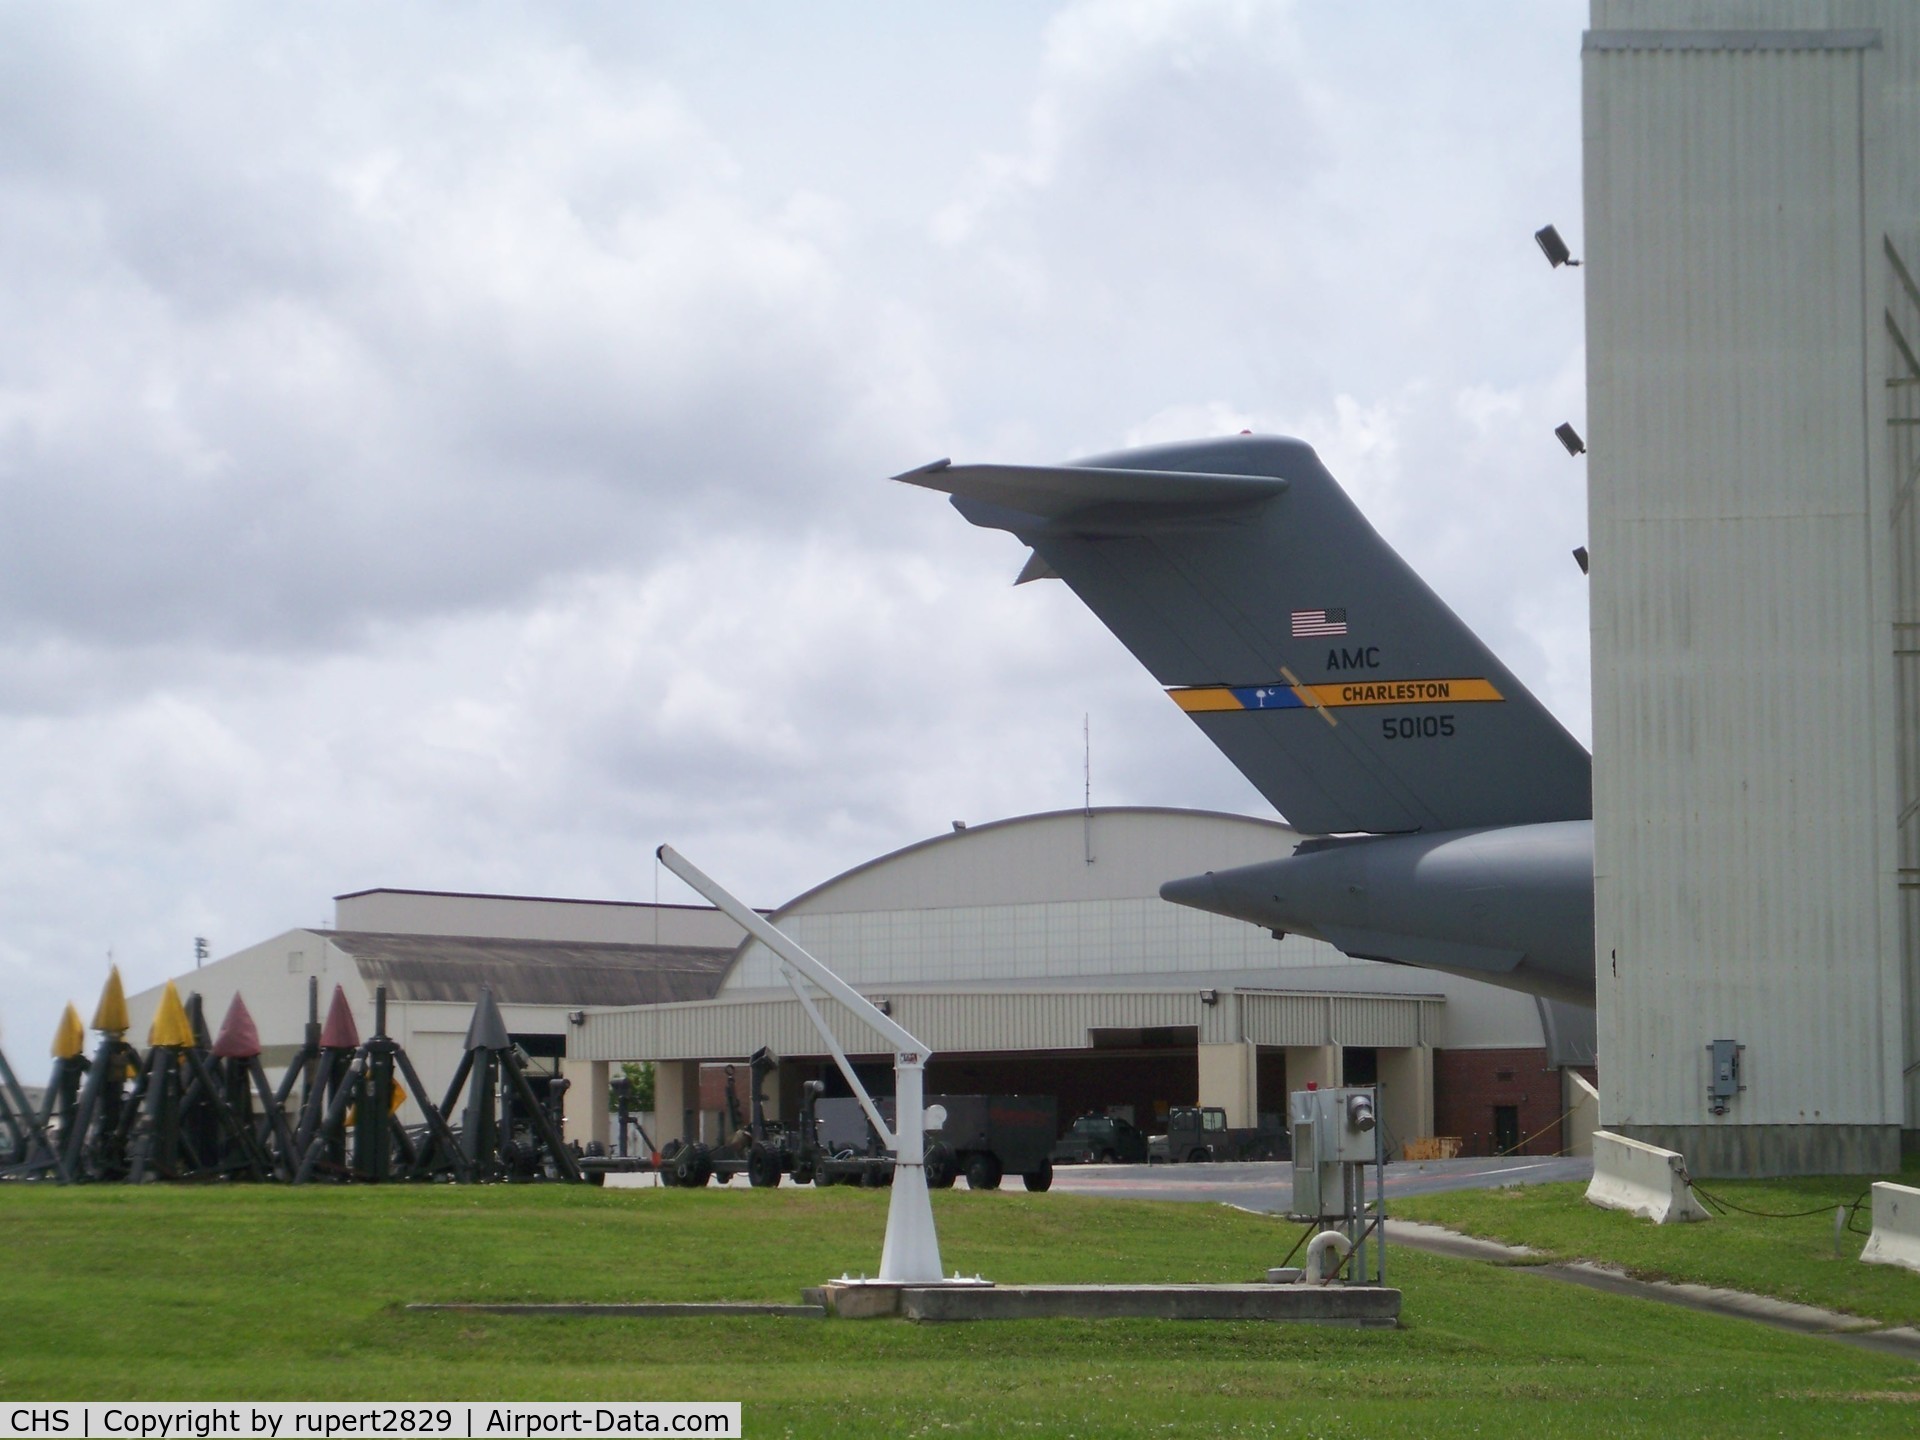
{"x": 1319, "y": 622}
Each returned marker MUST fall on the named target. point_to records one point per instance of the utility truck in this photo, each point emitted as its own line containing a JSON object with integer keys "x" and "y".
{"x": 1199, "y": 1133}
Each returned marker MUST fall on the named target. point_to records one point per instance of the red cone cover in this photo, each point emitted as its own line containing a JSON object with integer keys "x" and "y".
{"x": 339, "y": 1033}
{"x": 239, "y": 1037}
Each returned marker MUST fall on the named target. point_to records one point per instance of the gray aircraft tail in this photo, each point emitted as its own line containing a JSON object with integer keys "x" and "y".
{"x": 1240, "y": 574}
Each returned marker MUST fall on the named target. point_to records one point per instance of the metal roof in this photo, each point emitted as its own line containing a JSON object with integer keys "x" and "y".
{"x": 965, "y": 838}
{"x": 532, "y": 972}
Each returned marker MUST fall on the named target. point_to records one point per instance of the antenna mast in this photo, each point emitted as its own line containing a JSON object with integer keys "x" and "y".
{"x": 1086, "y": 804}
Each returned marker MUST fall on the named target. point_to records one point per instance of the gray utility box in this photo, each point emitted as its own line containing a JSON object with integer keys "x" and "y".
{"x": 1332, "y": 1130}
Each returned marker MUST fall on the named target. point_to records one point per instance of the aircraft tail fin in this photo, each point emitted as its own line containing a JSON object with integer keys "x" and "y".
{"x": 1242, "y": 576}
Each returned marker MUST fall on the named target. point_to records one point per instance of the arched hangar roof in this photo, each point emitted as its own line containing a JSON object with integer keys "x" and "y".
{"x": 1064, "y": 895}
{"x": 1110, "y": 853}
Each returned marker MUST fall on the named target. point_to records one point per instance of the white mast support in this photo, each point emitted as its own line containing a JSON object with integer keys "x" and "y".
{"x": 756, "y": 925}
{"x": 911, "y": 1252}
{"x": 880, "y": 1127}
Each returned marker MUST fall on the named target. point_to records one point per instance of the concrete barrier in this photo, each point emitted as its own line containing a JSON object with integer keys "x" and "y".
{"x": 1896, "y": 1227}
{"x": 1641, "y": 1179}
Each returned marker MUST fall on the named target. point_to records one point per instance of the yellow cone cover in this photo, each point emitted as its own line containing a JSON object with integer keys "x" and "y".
{"x": 111, "y": 1013}
{"x": 70, "y": 1039}
{"x": 170, "y": 1024}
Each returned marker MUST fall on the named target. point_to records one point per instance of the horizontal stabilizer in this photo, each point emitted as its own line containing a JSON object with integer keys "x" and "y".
{"x": 1053, "y": 492}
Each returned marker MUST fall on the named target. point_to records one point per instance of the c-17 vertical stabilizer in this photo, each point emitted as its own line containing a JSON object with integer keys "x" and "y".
{"x": 1244, "y": 578}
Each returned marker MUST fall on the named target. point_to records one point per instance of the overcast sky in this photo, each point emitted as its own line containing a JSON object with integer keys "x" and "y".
{"x": 445, "y": 446}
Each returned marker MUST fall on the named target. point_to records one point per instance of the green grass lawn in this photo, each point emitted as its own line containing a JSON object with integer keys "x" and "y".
{"x": 268, "y": 1293}
{"x": 1791, "y": 1259}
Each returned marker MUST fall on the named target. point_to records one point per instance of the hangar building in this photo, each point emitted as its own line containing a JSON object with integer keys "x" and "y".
{"x": 433, "y": 951}
{"x": 1035, "y": 955}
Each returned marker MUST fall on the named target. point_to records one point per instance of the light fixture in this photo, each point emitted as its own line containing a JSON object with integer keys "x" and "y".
{"x": 1580, "y": 558}
{"x": 1209, "y": 997}
{"x": 1553, "y": 247}
{"x": 1570, "y": 437}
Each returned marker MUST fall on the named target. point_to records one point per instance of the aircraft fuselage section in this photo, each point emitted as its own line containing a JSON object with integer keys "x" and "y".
{"x": 1512, "y": 904}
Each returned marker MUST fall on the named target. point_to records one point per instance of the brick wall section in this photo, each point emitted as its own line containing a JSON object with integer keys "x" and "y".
{"x": 1468, "y": 1084}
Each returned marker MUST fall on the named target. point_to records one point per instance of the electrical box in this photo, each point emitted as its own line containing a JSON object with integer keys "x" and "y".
{"x": 1331, "y": 1129}
{"x": 1723, "y": 1074}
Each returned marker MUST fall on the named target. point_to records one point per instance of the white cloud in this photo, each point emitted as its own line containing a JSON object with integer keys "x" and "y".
{"x": 448, "y": 451}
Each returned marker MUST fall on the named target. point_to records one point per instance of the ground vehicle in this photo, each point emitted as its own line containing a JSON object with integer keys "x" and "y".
{"x": 1100, "y": 1139}
{"x": 598, "y": 1162}
{"x": 834, "y": 1145}
{"x": 983, "y": 1137}
{"x": 761, "y": 1149}
{"x": 987, "y": 1137}
{"x": 1197, "y": 1133}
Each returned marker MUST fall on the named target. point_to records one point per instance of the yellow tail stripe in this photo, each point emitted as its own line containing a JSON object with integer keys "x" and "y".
{"x": 1405, "y": 692}
{"x": 1204, "y": 699}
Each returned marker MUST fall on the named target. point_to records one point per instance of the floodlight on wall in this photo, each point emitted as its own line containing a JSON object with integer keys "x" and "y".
{"x": 1580, "y": 558}
{"x": 1553, "y": 247}
{"x": 1570, "y": 437}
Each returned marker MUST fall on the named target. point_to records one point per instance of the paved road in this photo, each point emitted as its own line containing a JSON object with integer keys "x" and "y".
{"x": 1268, "y": 1186}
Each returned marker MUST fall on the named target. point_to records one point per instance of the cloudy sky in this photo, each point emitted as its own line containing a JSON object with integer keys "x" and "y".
{"x": 445, "y": 446}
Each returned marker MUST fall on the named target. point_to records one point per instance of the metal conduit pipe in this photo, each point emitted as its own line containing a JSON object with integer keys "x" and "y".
{"x": 1316, "y": 1271}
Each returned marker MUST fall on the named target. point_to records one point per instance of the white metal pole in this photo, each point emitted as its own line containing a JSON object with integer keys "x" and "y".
{"x": 911, "y": 1252}
{"x": 880, "y": 1128}
{"x": 755, "y": 924}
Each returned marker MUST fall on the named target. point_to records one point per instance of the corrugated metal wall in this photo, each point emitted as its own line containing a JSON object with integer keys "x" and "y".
{"x": 1065, "y": 939}
{"x": 1903, "y": 434}
{"x": 1019, "y": 1020}
{"x": 1744, "y": 725}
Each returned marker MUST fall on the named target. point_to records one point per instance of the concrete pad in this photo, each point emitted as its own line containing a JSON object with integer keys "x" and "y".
{"x": 682, "y": 1310}
{"x": 1642, "y": 1179}
{"x": 1896, "y": 1227}
{"x": 861, "y": 1300}
{"x": 1438, "y": 1240}
{"x": 1783, "y": 1314}
{"x": 871, "y": 1299}
{"x": 1897, "y": 1340}
{"x": 1358, "y": 1305}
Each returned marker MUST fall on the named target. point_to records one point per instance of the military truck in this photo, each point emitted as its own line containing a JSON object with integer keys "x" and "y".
{"x": 1100, "y": 1140}
{"x": 988, "y": 1137}
{"x": 1199, "y": 1133}
{"x": 983, "y": 1137}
